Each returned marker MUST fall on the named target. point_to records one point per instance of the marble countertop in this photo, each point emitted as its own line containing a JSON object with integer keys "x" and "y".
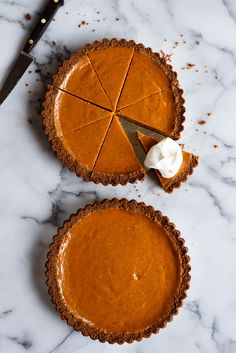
{"x": 38, "y": 194}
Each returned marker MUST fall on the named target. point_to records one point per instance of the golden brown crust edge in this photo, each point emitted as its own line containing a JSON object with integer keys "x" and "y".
{"x": 79, "y": 324}
{"x": 57, "y": 146}
{"x": 122, "y": 179}
{"x": 184, "y": 175}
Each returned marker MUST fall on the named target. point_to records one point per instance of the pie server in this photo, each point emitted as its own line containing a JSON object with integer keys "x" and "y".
{"x": 25, "y": 59}
{"x": 131, "y": 129}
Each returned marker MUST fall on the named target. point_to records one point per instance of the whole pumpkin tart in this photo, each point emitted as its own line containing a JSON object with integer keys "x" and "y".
{"x": 100, "y": 83}
{"x": 118, "y": 271}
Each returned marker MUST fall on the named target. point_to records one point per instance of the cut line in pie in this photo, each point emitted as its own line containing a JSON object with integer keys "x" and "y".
{"x": 112, "y": 75}
{"x": 116, "y": 158}
{"x": 78, "y": 77}
{"x": 67, "y": 111}
{"x": 78, "y": 97}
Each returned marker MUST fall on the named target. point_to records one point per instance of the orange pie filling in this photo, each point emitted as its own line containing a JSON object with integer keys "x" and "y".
{"x": 118, "y": 270}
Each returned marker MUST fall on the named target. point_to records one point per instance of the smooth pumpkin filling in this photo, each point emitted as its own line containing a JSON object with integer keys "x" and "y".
{"x": 71, "y": 113}
{"x": 156, "y": 112}
{"x": 84, "y": 144}
{"x": 117, "y": 155}
{"x": 81, "y": 80}
{"x": 145, "y": 77}
{"x": 111, "y": 66}
{"x": 118, "y": 270}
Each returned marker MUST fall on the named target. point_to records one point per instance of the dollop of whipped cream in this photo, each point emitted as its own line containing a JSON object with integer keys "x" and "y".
{"x": 166, "y": 156}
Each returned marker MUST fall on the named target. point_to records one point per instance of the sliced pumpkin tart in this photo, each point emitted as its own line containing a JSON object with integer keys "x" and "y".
{"x": 119, "y": 77}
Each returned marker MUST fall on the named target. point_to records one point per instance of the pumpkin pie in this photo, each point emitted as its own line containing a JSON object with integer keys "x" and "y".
{"x": 118, "y": 271}
{"x": 190, "y": 161}
{"x": 116, "y": 77}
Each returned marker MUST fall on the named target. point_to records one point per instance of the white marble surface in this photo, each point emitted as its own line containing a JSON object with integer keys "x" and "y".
{"x": 37, "y": 194}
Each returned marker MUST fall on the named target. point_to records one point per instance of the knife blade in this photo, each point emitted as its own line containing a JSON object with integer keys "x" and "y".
{"x": 25, "y": 59}
{"x": 19, "y": 68}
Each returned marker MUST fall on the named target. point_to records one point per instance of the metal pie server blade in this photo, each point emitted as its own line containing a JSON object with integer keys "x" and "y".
{"x": 131, "y": 129}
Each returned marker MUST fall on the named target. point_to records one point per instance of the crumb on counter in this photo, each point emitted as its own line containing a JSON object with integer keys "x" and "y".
{"x": 202, "y": 122}
{"x": 28, "y": 17}
{"x": 190, "y": 66}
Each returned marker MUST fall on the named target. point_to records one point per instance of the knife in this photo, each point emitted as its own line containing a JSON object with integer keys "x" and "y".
{"x": 25, "y": 59}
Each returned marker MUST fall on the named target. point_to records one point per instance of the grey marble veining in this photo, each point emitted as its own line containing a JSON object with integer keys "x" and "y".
{"x": 38, "y": 194}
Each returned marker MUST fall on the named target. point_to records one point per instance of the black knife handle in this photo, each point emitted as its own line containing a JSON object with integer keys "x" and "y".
{"x": 42, "y": 24}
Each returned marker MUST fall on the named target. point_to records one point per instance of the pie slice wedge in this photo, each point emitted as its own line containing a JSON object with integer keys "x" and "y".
{"x": 117, "y": 162}
{"x": 78, "y": 77}
{"x": 111, "y": 65}
{"x": 160, "y": 112}
{"x": 64, "y": 113}
{"x": 146, "y": 76}
{"x": 190, "y": 161}
{"x": 79, "y": 149}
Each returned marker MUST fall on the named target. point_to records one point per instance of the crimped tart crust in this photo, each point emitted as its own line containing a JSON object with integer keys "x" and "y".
{"x": 60, "y": 77}
{"x": 182, "y": 178}
{"x": 82, "y": 325}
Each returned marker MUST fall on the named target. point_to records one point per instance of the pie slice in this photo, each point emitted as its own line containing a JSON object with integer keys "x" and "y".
{"x": 158, "y": 112}
{"x": 117, "y": 161}
{"x": 146, "y": 76}
{"x": 78, "y": 77}
{"x": 67, "y": 113}
{"x": 190, "y": 161}
{"x": 111, "y": 66}
{"x": 79, "y": 149}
